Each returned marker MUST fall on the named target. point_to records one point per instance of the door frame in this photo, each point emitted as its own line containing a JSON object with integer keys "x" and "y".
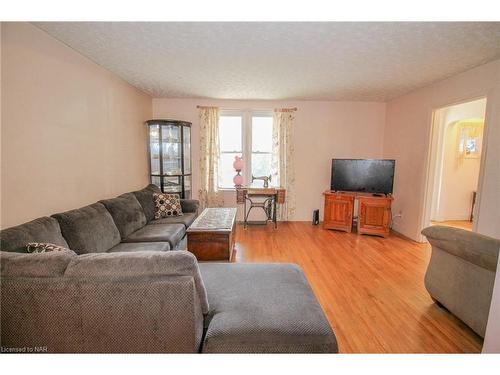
{"x": 434, "y": 163}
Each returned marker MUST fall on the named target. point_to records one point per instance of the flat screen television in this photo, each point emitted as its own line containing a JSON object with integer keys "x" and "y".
{"x": 363, "y": 175}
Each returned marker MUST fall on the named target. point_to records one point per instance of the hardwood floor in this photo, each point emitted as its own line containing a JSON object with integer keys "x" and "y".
{"x": 370, "y": 288}
{"x": 462, "y": 224}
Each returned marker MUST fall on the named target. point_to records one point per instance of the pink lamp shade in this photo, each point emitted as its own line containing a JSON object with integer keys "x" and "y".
{"x": 238, "y": 163}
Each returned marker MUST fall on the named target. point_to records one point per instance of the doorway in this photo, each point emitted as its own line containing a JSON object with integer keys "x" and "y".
{"x": 454, "y": 165}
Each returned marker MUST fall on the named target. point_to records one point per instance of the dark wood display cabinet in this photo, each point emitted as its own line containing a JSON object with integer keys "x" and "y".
{"x": 170, "y": 156}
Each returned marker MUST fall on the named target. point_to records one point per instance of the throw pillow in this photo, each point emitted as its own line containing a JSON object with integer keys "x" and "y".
{"x": 167, "y": 205}
{"x": 39, "y": 247}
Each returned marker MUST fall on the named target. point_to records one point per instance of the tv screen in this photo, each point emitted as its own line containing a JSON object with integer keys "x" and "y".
{"x": 363, "y": 175}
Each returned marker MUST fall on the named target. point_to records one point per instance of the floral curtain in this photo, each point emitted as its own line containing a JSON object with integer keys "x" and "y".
{"x": 209, "y": 195}
{"x": 282, "y": 167}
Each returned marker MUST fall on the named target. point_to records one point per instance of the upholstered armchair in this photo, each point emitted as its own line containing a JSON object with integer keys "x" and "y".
{"x": 461, "y": 273}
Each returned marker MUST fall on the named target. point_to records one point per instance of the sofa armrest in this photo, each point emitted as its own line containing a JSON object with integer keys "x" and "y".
{"x": 190, "y": 205}
{"x": 473, "y": 247}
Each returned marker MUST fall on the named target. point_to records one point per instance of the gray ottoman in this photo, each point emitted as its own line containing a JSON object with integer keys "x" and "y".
{"x": 263, "y": 308}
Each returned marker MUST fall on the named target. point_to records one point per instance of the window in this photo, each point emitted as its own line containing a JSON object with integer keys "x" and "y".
{"x": 262, "y": 145}
{"x": 249, "y": 135}
{"x": 230, "y": 145}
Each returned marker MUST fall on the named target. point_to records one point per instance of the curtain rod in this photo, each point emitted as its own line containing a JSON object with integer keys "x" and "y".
{"x": 276, "y": 110}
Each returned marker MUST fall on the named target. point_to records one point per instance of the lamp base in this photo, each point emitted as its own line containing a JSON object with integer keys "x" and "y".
{"x": 238, "y": 179}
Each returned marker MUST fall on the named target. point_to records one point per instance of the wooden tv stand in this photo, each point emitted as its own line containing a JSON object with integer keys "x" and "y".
{"x": 374, "y": 212}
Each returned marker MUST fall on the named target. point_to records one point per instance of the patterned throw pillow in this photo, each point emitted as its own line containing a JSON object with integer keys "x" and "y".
{"x": 167, "y": 205}
{"x": 38, "y": 247}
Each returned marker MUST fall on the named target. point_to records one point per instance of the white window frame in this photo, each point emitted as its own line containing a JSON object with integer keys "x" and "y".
{"x": 246, "y": 138}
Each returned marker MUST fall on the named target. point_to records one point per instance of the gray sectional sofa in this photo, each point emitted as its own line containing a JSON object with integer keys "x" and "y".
{"x": 124, "y": 288}
{"x": 125, "y": 223}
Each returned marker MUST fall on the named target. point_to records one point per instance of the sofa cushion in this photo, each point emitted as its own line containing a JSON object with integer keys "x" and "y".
{"x": 186, "y": 219}
{"x": 43, "y": 229}
{"x": 171, "y": 233}
{"x": 127, "y": 213}
{"x": 126, "y": 247}
{"x": 263, "y": 308}
{"x": 167, "y": 205}
{"x": 89, "y": 229}
{"x": 145, "y": 198}
{"x": 51, "y": 264}
{"x": 140, "y": 263}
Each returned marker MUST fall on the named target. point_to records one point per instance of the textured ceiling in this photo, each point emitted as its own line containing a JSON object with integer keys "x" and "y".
{"x": 314, "y": 61}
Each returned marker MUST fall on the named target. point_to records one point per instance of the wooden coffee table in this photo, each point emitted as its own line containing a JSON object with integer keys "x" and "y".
{"x": 211, "y": 236}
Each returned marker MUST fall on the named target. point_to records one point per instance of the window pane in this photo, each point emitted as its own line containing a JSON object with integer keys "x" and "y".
{"x": 230, "y": 133}
{"x": 226, "y": 170}
{"x": 261, "y": 166}
{"x": 186, "y": 133}
{"x": 262, "y": 133}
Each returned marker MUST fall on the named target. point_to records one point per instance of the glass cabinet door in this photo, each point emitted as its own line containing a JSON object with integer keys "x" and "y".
{"x": 156, "y": 180}
{"x": 172, "y": 184}
{"x": 187, "y": 187}
{"x": 154, "y": 148}
{"x": 171, "y": 152}
{"x": 186, "y": 132}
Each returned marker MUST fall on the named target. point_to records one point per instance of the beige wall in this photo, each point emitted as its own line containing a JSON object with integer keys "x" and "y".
{"x": 72, "y": 132}
{"x": 323, "y": 130}
{"x": 407, "y": 134}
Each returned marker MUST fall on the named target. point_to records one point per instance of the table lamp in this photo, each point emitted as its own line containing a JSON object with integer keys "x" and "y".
{"x": 238, "y": 166}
